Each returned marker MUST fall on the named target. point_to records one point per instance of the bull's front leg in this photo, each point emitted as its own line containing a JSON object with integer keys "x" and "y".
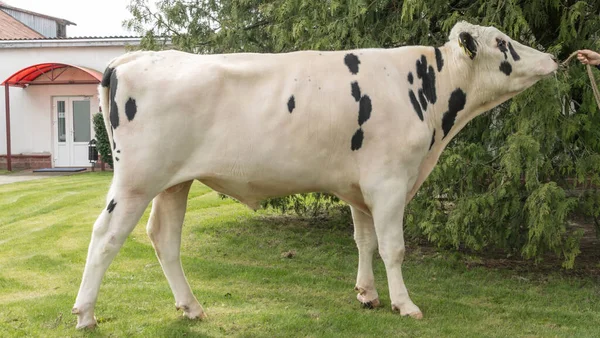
{"x": 387, "y": 201}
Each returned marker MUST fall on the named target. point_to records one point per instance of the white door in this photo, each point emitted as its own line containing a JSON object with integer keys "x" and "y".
{"x": 73, "y": 121}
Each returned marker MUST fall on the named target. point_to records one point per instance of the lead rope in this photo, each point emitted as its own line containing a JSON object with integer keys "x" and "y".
{"x": 590, "y": 74}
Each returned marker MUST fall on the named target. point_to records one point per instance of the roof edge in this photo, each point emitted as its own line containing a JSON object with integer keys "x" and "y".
{"x": 63, "y": 21}
{"x": 74, "y": 42}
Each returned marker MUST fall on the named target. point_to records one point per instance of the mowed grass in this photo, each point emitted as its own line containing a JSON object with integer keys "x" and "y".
{"x": 232, "y": 257}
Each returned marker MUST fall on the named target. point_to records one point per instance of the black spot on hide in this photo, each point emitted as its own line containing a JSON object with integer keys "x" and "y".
{"x": 506, "y": 68}
{"x": 456, "y": 103}
{"x": 502, "y": 47}
{"x": 411, "y": 79}
{"x": 513, "y": 52}
{"x": 415, "y": 103}
{"x": 111, "y": 206}
{"x": 291, "y": 104}
{"x": 439, "y": 60}
{"x": 355, "y": 91}
{"x": 352, "y": 62}
{"x": 357, "y": 139}
{"x": 428, "y": 75}
{"x": 364, "y": 111}
{"x": 432, "y": 140}
{"x": 130, "y": 109}
{"x": 106, "y": 76}
{"x": 364, "y": 102}
{"x": 114, "y": 111}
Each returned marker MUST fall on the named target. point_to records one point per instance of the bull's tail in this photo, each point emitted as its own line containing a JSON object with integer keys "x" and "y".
{"x": 103, "y": 92}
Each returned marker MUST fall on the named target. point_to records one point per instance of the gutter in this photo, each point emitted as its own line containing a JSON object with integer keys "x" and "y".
{"x": 57, "y": 43}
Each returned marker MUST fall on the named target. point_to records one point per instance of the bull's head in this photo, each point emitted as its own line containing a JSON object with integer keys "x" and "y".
{"x": 496, "y": 66}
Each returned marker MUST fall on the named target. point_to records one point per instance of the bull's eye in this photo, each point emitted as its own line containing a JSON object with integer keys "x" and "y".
{"x": 501, "y": 44}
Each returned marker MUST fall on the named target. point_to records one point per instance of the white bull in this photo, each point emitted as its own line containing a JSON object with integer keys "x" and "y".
{"x": 366, "y": 125}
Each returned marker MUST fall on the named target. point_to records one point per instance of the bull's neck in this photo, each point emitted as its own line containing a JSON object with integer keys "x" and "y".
{"x": 456, "y": 104}
{"x": 460, "y": 97}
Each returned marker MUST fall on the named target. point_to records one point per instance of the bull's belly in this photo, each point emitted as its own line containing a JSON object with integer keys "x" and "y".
{"x": 252, "y": 184}
{"x": 252, "y": 192}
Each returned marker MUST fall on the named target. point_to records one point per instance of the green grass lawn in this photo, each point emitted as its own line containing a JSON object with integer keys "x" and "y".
{"x": 232, "y": 257}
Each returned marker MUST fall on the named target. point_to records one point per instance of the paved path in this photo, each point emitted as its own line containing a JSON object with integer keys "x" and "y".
{"x": 29, "y": 176}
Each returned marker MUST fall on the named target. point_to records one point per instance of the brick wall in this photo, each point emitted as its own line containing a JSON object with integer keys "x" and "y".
{"x": 22, "y": 162}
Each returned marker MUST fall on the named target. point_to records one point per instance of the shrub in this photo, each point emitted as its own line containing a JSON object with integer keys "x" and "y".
{"x": 103, "y": 144}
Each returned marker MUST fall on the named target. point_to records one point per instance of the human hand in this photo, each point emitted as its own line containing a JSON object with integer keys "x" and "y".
{"x": 587, "y": 56}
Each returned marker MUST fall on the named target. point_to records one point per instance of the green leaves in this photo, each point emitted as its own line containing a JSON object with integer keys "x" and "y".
{"x": 102, "y": 143}
{"x": 546, "y": 211}
{"x": 539, "y": 161}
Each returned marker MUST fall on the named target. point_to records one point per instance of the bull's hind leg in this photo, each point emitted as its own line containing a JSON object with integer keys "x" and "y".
{"x": 111, "y": 229}
{"x": 366, "y": 241}
{"x": 164, "y": 230}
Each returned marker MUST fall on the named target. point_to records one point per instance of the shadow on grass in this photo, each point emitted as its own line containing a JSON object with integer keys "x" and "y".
{"x": 181, "y": 327}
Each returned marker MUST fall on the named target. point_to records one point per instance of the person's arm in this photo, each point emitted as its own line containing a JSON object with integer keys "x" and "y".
{"x": 588, "y": 57}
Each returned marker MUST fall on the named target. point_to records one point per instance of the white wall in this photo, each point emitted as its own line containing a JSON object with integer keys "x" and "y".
{"x": 31, "y": 108}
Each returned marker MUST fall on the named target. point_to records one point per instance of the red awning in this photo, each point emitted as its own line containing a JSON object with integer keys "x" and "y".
{"x": 43, "y": 74}
{"x": 51, "y": 71}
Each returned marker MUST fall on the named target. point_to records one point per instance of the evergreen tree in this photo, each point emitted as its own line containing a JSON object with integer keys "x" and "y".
{"x": 102, "y": 143}
{"x": 513, "y": 177}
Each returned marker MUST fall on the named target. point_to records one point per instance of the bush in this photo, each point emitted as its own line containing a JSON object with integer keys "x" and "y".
{"x": 312, "y": 205}
{"x": 308, "y": 205}
{"x": 103, "y": 144}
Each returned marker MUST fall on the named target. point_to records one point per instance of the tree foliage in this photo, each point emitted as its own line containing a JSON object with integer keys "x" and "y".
{"x": 513, "y": 177}
{"x": 102, "y": 142}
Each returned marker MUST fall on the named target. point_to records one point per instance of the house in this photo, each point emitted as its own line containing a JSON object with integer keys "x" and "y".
{"x": 49, "y": 84}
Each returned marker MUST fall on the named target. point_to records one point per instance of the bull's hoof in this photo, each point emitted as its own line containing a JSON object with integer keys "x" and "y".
{"x": 85, "y": 321}
{"x": 416, "y": 315}
{"x": 195, "y": 316}
{"x": 369, "y": 300}
{"x": 410, "y": 310}
{"x": 370, "y": 304}
{"x": 88, "y": 326}
{"x": 192, "y": 312}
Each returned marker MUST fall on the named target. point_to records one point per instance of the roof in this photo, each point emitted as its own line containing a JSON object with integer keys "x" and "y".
{"x": 11, "y": 28}
{"x": 52, "y": 71}
{"x": 59, "y": 20}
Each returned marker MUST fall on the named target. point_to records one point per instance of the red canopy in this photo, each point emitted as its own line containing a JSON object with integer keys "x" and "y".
{"x": 52, "y": 72}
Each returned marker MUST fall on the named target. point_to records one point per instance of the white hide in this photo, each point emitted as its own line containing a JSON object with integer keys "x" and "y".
{"x": 225, "y": 121}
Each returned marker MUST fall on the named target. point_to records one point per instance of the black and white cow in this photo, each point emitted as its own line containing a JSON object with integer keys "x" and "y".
{"x": 366, "y": 125}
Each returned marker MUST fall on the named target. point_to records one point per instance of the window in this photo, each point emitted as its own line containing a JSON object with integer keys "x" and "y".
{"x": 62, "y": 122}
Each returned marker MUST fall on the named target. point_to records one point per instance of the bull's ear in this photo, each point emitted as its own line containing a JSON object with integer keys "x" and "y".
{"x": 468, "y": 44}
